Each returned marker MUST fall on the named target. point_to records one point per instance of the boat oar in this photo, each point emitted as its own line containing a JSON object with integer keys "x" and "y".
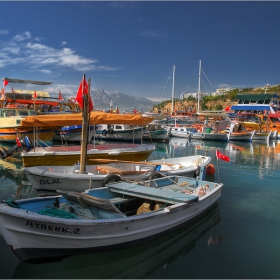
{"x": 132, "y": 162}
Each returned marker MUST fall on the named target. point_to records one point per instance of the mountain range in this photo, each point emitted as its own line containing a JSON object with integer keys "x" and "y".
{"x": 103, "y": 99}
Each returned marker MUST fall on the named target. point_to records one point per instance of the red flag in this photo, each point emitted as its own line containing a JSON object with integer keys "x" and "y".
{"x": 60, "y": 96}
{"x": 117, "y": 110}
{"x": 83, "y": 89}
{"x": 227, "y": 108}
{"x": 222, "y": 156}
{"x": 135, "y": 111}
{"x": 18, "y": 142}
{"x": 35, "y": 94}
{"x": 5, "y": 82}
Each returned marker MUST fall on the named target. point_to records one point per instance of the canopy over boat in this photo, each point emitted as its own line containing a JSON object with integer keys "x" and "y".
{"x": 12, "y": 80}
{"x": 74, "y": 119}
{"x": 244, "y": 107}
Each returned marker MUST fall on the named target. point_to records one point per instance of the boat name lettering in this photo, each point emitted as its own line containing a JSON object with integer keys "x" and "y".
{"x": 47, "y": 182}
{"x": 52, "y": 228}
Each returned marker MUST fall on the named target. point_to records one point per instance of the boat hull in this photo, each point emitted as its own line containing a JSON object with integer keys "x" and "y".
{"x": 69, "y": 155}
{"x": 121, "y": 135}
{"x": 209, "y": 136}
{"x": 10, "y": 135}
{"x": 68, "y": 177}
{"x": 236, "y": 136}
{"x": 157, "y": 135}
{"x": 34, "y": 237}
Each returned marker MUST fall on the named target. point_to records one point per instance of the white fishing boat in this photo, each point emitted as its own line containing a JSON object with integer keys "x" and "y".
{"x": 119, "y": 132}
{"x": 98, "y": 175}
{"x": 139, "y": 260}
{"x": 182, "y": 131}
{"x": 72, "y": 133}
{"x": 120, "y": 215}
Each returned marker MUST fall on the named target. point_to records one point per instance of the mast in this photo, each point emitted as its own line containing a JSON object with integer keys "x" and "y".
{"x": 172, "y": 109}
{"x": 198, "y": 91}
{"x": 85, "y": 126}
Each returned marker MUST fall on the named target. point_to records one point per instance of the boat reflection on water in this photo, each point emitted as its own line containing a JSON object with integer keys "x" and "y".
{"x": 131, "y": 263}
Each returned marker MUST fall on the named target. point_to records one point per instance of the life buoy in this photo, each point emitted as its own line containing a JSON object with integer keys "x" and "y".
{"x": 109, "y": 178}
{"x": 73, "y": 99}
{"x": 104, "y": 132}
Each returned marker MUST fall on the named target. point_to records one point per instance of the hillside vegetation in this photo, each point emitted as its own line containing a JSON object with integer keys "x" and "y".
{"x": 210, "y": 103}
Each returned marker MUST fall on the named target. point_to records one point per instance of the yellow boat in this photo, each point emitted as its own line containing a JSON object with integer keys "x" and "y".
{"x": 69, "y": 155}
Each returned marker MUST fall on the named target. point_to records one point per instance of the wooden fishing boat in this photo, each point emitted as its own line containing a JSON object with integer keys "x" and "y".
{"x": 209, "y": 136}
{"x": 238, "y": 132}
{"x": 16, "y": 104}
{"x": 96, "y": 176}
{"x": 69, "y": 155}
{"x": 212, "y": 131}
{"x": 10, "y": 128}
{"x": 119, "y": 215}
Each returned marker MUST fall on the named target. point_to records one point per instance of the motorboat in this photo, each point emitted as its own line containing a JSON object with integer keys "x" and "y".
{"x": 122, "y": 214}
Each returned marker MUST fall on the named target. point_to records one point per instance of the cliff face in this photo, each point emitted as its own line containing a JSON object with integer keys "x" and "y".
{"x": 186, "y": 105}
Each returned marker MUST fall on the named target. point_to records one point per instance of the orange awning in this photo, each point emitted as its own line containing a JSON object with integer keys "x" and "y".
{"x": 76, "y": 119}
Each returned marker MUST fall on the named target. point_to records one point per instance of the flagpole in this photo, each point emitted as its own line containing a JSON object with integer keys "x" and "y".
{"x": 218, "y": 167}
{"x": 84, "y": 138}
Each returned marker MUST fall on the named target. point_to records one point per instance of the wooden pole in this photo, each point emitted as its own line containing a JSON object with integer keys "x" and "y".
{"x": 85, "y": 126}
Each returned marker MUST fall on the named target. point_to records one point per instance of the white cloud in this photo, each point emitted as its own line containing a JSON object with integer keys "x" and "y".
{"x": 37, "y": 55}
{"x": 4, "y": 32}
{"x": 26, "y": 35}
{"x": 63, "y": 43}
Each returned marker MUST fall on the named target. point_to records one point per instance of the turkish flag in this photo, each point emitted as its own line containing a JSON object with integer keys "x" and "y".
{"x": 83, "y": 89}
{"x": 222, "y": 156}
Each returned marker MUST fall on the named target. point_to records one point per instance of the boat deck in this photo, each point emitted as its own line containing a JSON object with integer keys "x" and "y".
{"x": 171, "y": 194}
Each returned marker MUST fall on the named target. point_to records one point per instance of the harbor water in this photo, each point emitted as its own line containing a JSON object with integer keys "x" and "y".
{"x": 237, "y": 238}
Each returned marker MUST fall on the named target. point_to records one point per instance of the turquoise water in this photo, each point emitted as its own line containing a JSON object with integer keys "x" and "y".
{"x": 237, "y": 238}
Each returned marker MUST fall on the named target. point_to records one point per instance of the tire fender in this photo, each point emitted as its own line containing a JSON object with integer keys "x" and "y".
{"x": 109, "y": 178}
{"x": 155, "y": 175}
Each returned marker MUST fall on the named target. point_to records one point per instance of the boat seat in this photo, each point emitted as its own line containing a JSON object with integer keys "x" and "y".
{"x": 160, "y": 195}
{"x": 107, "y": 169}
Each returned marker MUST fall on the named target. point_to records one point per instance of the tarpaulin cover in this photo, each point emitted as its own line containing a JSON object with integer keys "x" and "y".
{"x": 75, "y": 119}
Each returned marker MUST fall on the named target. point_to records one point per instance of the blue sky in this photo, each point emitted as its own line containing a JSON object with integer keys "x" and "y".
{"x": 132, "y": 46}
